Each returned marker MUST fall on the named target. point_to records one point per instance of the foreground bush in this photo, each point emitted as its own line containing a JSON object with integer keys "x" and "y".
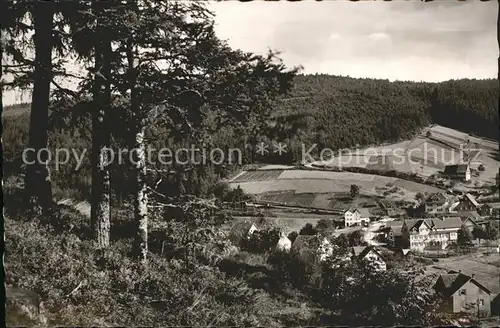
{"x": 81, "y": 286}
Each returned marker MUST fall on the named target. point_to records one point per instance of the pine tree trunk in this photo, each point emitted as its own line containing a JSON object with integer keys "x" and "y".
{"x": 37, "y": 179}
{"x": 140, "y": 197}
{"x": 100, "y": 202}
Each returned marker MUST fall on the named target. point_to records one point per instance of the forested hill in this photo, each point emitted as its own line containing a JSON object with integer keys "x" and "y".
{"x": 339, "y": 112}
{"x": 343, "y": 111}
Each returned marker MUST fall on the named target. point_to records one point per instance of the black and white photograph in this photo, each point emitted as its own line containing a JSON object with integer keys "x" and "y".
{"x": 175, "y": 163}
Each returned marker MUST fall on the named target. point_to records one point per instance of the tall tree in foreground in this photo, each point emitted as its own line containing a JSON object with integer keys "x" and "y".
{"x": 175, "y": 67}
{"x": 19, "y": 20}
{"x": 92, "y": 30}
{"x": 38, "y": 183}
{"x": 101, "y": 91}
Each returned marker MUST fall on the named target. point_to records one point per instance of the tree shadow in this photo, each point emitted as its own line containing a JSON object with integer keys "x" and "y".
{"x": 14, "y": 202}
{"x": 495, "y": 156}
{"x": 257, "y": 276}
{"x": 122, "y": 229}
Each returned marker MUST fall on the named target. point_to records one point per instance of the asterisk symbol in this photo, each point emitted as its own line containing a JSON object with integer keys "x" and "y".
{"x": 262, "y": 148}
{"x": 280, "y": 148}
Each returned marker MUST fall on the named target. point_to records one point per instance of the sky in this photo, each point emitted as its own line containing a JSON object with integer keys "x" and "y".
{"x": 398, "y": 40}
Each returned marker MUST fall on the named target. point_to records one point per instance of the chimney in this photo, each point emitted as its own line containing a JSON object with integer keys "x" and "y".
{"x": 472, "y": 276}
{"x": 459, "y": 271}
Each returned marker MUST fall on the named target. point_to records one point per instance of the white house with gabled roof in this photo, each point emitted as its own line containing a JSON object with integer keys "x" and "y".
{"x": 352, "y": 216}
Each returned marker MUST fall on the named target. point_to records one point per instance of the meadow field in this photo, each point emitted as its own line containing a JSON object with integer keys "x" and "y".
{"x": 426, "y": 154}
{"x": 325, "y": 189}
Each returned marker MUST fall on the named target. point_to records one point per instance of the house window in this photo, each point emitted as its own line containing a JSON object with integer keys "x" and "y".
{"x": 463, "y": 292}
{"x": 481, "y": 302}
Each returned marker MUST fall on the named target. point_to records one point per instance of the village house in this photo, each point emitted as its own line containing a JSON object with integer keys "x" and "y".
{"x": 370, "y": 254}
{"x": 463, "y": 294}
{"x": 436, "y": 202}
{"x": 352, "y": 216}
{"x": 467, "y": 203}
{"x": 457, "y": 172}
{"x": 470, "y": 223}
{"x": 416, "y": 233}
{"x": 473, "y": 222}
{"x": 391, "y": 230}
{"x": 422, "y": 233}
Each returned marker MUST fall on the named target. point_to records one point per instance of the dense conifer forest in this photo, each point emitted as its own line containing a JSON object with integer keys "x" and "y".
{"x": 342, "y": 112}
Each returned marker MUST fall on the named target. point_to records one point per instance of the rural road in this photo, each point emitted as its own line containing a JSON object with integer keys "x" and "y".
{"x": 370, "y": 234}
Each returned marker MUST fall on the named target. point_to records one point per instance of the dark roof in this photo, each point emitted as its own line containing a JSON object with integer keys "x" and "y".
{"x": 395, "y": 226}
{"x": 437, "y": 197}
{"x": 422, "y": 221}
{"x": 416, "y": 223}
{"x": 453, "y": 281}
{"x": 456, "y": 169}
{"x": 472, "y": 199}
{"x": 446, "y": 223}
{"x": 410, "y": 223}
{"x": 464, "y": 220}
{"x": 361, "y": 251}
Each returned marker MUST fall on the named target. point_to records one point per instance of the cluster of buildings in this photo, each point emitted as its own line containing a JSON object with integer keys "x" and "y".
{"x": 443, "y": 216}
{"x": 447, "y": 215}
{"x": 310, "y": 247}
{"x": 440, "y": 203}
{"x": 315, "y": 247}
{"x": 418, "y": 234}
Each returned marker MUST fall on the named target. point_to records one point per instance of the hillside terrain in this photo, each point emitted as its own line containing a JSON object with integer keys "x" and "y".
{"x": 341, "y": 112}
{"x": 386, "y": 110}
{"x": 333, "y": 112}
